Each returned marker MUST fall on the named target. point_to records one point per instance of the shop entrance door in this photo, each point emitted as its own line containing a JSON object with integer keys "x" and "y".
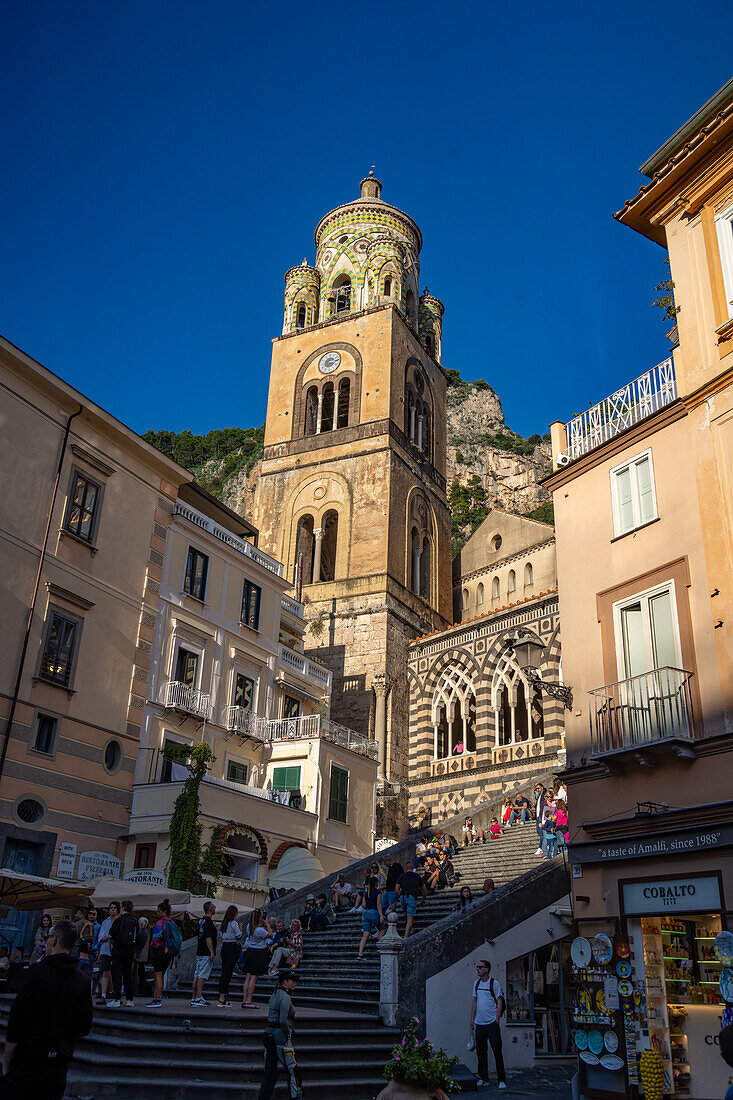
{"x": 15, "y": 928}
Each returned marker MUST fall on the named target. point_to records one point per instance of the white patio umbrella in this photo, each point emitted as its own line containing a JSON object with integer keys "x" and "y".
{"x": 21, "y": 891}
{"x": 144, "y": 898}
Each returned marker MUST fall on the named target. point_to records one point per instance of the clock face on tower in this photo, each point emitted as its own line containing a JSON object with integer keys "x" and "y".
{"x": 329, "y": 362}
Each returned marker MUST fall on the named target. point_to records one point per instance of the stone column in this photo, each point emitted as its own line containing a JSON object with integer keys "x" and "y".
{"x": 420, "y": 427}
{"x": 512, "y": 709}
{"x": 390, "y": 947}
{"x": 318, "y": 536}
{"x": 496, "y": 728}
{"x": 435, "y": 740}
{"x": 416, "y": 555}
{"x": 319, "y": 414}
{"x": 412, "y": 424}
{"x": 380, "y": 684}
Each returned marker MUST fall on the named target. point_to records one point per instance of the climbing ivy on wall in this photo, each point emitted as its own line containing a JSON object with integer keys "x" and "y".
{"x": 184, "y": 861}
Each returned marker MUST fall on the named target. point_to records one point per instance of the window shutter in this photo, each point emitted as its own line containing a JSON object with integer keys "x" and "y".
{"x": 625, "y": 501}
{"x": 646, "y": 494}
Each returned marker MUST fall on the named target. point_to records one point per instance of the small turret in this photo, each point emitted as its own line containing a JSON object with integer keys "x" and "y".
{"x": 430, "y": 322}
{"x": 371, "y": 187}
{"x": 302, "y": 293}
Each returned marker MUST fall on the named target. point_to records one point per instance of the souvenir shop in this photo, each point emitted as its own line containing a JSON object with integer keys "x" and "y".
{"x": 651, "y": 990}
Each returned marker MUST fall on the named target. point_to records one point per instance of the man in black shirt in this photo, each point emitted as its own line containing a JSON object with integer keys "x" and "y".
{"x": 410, "y": 887}
{"x": 205, "y": 955}
{"x": 51, "y": 1011}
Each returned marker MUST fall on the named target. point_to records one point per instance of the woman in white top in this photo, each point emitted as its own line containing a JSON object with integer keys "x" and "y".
{"x": 231, "y": 941}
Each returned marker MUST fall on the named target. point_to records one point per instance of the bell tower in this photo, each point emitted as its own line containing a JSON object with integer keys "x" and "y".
{"x": 352, "y": 484}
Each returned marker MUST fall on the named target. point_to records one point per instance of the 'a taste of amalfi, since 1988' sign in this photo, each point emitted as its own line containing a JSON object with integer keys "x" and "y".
{"x": 680, "y": 842}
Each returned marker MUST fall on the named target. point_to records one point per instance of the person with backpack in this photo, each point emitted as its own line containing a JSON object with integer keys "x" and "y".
{"x": 165, "y": 946}
{"x": 487, "y": 1008}
{"x": 124, "y": 935}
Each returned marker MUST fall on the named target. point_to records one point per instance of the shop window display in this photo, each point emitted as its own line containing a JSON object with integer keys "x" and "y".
{"x": 538, "y": 994}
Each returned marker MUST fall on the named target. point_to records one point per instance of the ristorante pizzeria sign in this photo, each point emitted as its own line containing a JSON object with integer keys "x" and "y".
{"x": 661, "y": 844}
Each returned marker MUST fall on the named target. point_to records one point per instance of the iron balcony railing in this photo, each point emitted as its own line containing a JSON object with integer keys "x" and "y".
{"x": 641, "y": 711}
{"x": 632, "y": 403}
{"x": 315, "y": 725}
{"x": 179, "y": 696}
{"x": 240, "y": 720}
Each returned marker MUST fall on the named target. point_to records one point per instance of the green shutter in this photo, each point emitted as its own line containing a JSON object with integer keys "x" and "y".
{"x": 339, "y": 794}
{"x": 286, "y": 779}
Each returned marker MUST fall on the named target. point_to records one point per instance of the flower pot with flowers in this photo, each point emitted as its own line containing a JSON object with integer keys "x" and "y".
{"x": 416, "y": 1071}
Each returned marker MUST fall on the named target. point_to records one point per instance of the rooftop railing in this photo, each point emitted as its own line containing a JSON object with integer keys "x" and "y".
{"x": 240, "y": 545}
{"x": 632, "y": 403}
{"x": 301, "y": 664}
{"x": 640, "y": 712}
{"x": 289, "y": 604}
{"x": 315, "y": 725}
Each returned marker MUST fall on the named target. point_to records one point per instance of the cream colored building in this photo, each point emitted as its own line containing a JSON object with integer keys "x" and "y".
{"x": 84, "y": 514}
{"x": 228, "y": 667}
{"x": 642, "y": 488}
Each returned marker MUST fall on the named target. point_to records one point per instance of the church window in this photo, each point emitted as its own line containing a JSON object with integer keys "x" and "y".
{"x": 516, "y": 703}
{"x": 311, "y": 410}
{"x": 495, "y": 588}
{"x": 300, "y": 321}
{"x": 528, "y": 575}
{"x": 511, "y": 581}
{"x": 425, "y": 570}
{"x": 327, "y": 410}
{"x": 415, "y": 562}
{"x": 342, "y": 415}
{"x": 410, "y": 417}
{"x": 496, "y": 542}
{"x": 465, "y": 599}
{"x": 480, "y": 594}
{"x": 454, "y": 713}
{"x": 430, "y": 344}
{"x": 329, "y": 543}
{"x": 305, "y": 548}
{"x": 426, "y": 431}
{"x": 342, "y": 294}
{"x": 388, "y": 286}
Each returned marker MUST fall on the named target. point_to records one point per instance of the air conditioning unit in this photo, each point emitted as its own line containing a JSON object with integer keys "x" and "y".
{"x": 562, "y": 460}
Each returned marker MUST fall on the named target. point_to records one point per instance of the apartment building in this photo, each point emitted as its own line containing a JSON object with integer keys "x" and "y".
{"x": 84, "y": 516}
{"x": 642, "y": 488}
{"x": 289, "y": 794}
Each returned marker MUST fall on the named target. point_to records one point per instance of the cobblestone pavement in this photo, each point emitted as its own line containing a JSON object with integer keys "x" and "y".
{"x": 544, "y": 1083}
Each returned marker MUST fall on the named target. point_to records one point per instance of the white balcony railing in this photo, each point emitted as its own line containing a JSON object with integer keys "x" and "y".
{"x": 315, "y": 725}
{"x": 641, "y": 711}
{"x": 289, "y": 604}
{"x": 632, "y": 403}
{"x": 180, "y": 696}
{"x": 240, "y": 545}
{"x": 240, "y": 720}
{"x": 311, "y": 670}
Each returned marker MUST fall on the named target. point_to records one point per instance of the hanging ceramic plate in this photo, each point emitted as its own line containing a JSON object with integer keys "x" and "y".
{"x": 602, "y": 948}
{"x": 726, "y": 984}
{"x": 584, "y": 999}
{"x": 623, "y": 950}
{"x": 625, "y": 988}
{"x": 623, "y": 969}
{"x": 589, "y": 1057}
{"x": 724, "y": 948}
{"x": 595, "y": 1041}
{"x": 580, "y": 951}
{"x": 610, "y": 1042}
{"x": 581, "y": 1039}
{"x": 601, "y": 1001}
{"x": 611, "y": 1061}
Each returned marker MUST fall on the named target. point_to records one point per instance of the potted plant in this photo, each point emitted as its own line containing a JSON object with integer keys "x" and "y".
{"x": 416, "y": 1071}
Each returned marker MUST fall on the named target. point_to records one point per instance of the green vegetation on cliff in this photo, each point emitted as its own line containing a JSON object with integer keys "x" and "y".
{"x": 229, "y": 449}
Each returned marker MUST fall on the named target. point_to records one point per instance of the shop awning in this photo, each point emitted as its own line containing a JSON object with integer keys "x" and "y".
{"x": 297, "y": 868}
{"x": 20, "y": 891}
{"x": 144, "y": 898}
{"x": 298, "y": 691}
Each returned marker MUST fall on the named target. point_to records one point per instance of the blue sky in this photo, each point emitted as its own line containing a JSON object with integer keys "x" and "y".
{"x": 165, "y": 163}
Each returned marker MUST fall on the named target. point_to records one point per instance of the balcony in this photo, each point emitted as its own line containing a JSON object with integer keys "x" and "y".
{"x": 632, "y": 403}
{"x": 303, "y": 666}
{"x": 244, "y": 722}
{"x": 292, "y": 607}
{"x": 240, "y": 545}
{"x": 315, "y": 725}
{"x": 642, "y": 716}
{"x": 188, "y": 700}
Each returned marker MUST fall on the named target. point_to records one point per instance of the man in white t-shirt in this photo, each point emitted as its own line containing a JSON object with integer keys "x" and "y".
{"x": 487, "y": 1009}
{"x": 340, "y": 893}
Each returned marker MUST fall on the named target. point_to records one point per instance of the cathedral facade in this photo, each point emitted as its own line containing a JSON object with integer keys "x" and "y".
{"x": 352, "y": 494}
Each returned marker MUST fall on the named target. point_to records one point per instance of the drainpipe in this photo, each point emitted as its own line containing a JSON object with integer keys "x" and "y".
{"x": 36, "y": 586}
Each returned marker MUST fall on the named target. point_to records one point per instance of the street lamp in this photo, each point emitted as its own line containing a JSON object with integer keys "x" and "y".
{"x": 528, "y": 654}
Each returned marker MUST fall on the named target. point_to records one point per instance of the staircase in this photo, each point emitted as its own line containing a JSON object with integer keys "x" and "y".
{"x": 184, "y": 1053}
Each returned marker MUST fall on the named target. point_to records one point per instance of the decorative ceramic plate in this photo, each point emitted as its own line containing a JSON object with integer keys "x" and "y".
{"x": 602, "y": 948}
{"x": 589, "y": 1057}
{"x": 584, "y": 999}
{"x": 622, "y": 947}
{"x": 623, "y": 969}
{"x": 726, "y": 984}
{"x": 580, "y": 951}
{"x": 581, "y": 1039}
{"x": 625, "y": 988}
{"x": 595, "y": 1041}
{"x": 610, "y": 1042}
{"x": 724, "y": 948}
{"x": 611, "y": 1061}
{"x": 601, "y": 1001}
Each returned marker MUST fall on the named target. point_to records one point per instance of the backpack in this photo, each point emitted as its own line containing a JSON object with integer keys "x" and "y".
{"x": 173, "y": 939}
{"x": 127, "y": 932}
{"x": 491, "y": 987}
